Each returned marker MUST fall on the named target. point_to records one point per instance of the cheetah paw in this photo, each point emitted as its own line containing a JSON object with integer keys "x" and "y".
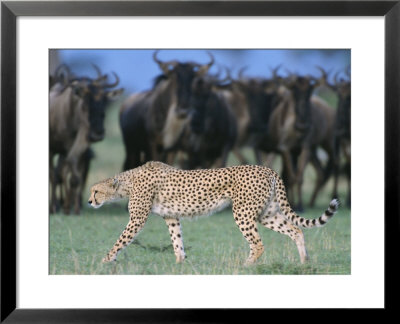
{"x": 107, "y": 260}
{"x": 249, "y": 263}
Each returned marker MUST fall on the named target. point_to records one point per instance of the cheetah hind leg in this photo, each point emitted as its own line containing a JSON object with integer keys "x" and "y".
{"x": 280, "y": 224}
{"x": 175, "y": 233}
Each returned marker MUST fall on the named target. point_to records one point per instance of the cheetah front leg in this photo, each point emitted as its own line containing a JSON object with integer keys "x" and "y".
{"x": 175, "y": 232}
{"x": 247, "y": 224}
{"x": 139, "y": 209}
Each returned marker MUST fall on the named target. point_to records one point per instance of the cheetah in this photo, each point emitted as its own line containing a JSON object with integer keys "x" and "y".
{"x": 256, "y": 194}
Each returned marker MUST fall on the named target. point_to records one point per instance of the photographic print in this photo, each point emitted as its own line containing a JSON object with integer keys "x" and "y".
{"x": 69, "y": 224}
{"x": 175, "y": 161}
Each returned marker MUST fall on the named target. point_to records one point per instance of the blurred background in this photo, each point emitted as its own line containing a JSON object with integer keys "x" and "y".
{"x": 137, "y": 69}
{"x": 126, "y": 72}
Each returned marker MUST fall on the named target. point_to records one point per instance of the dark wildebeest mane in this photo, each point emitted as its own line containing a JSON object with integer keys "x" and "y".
{"x": 157, "y": 80}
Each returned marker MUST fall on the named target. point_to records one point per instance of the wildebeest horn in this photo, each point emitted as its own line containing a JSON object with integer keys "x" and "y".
{"x": 228, "y": 74}
{"x": 348, "y": 71}
{"x": 275, "y": 70}
{"x": 112, "y": 85}
{"x": 291, "y": 78}
{"x": 63, "y": 73}
{"x": 324, "y": 75}
{"x": 212, "y": 60}
{"x": 227, "y": 77}
{"x": 240, "y": 74}
{"x": 164, "y": 66}
{"x": 203, "y": 69}
{"x": 156, "y": 59}
{"x": 217, "y": 74}
{"x": 97, "y": 70}
{"x": 60, "y": 67}
{"x": 290, "y": 73}
{"x": 335, "y": 78}
{"x": 216, "y": 78}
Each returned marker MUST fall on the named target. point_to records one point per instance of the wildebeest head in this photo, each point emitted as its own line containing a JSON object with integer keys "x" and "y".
{"x": 302, "y": 88}
{"x": 181, "y": 75}
{"x": 261, "y": 97}
{"x": 201, "y": 91}
{"x": 343, "y": 89}
{"x": 96, "y": 95}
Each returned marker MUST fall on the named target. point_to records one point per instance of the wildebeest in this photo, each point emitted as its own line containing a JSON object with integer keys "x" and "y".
{"x": 76, "y": 116}
{"x": 315, "y": 124}
{"x": 343, "y": 129}
{"x": 252, "y": 101}
{"x": 153, "y": 121}
{"x": 299, "y": 123}
{"x": 62, "y": 76}
{"x": 262, "y": 98}
{"x": 211, "y": 131}
{"x": 237, "y": 102}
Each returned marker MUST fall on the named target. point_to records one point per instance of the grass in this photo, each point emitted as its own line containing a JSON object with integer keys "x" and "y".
{"x": 213, "y": 245}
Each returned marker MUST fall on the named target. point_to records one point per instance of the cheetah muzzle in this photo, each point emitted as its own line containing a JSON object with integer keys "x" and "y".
{"x": 256, "y": 193}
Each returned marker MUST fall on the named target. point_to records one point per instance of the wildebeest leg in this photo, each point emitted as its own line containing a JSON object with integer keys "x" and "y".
{"x": 320, "y": 176}
{"x": 171, "y": 156}
{"x": 347, "y": 172}
{"x": 336, "y": 170}
{"x": 347, "y": 168}
{"x": 71, "y": 173}
{"x": 132, "y": 159}
{"x": 66, "y": 187}
{"x": 175, "y": 233}
{"x": 71, "y": 181}
{"x": 221, "y": 162}
{"x": 301, "y": 166}
{"x": 53, "y": 197}
{"x": 83, "y": 168}
{"x": 258, "y": 156}
{"x": 75, "y": 192}
{"x": 89, "y": 155}
{"x": 239, "y": 156}
{"x": 290, "y": 176}
{"x": 59, "y": 181}
{"x": 335, "y": 182}
{"x": 155, "y": 154}
{"x": 332, "y": 167}
{"x": 139, "y": 208}
{"x": 270, "y": 159}
{"x": 56, "y": 180}
{"x": 75, "y": 195}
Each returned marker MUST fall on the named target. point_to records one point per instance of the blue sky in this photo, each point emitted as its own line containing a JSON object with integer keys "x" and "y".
{"x": 137, "y": 69}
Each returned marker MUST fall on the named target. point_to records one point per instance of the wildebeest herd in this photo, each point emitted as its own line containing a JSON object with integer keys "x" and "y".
{"x": 195, "y": 119}
{"x": 77, "y": 111}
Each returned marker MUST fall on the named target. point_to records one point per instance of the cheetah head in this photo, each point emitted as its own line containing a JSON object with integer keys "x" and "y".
{"x": 105, "y": 191}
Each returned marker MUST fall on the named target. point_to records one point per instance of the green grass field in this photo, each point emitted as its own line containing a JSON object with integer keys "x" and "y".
{"x": 213, "y": 245}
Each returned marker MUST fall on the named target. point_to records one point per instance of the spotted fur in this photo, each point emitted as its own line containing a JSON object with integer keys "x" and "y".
{"x": 256, "y": 193}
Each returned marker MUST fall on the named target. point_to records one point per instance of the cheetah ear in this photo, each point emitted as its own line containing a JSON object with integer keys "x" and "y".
{"x": 115, "y": 184}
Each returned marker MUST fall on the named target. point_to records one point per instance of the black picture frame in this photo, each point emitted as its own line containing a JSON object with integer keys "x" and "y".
{"x": 10, "y": 10}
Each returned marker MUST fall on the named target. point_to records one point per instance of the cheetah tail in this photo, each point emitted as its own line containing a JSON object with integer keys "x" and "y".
{"x": 322, "y": 220}
{"x": 297, "y": 220}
